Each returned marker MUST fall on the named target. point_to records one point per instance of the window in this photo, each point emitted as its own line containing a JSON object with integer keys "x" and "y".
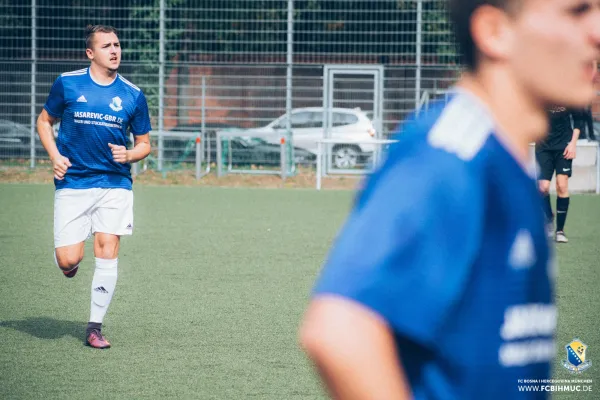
{"x": 341, "y": 119}
{"x": 316, "y": 119}
{"x": 5, "y": 129}
{"x": 299, "y": 120}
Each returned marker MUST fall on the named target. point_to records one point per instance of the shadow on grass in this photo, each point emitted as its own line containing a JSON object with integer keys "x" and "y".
{"x": 47, "y": 328}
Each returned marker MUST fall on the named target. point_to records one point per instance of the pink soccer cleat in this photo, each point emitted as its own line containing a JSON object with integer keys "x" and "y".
{"x": 96, "y": 340}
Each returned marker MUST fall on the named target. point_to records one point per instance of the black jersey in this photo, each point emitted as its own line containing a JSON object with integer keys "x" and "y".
{"x": 562, "y": 123}
{"x": 589, "y": 123}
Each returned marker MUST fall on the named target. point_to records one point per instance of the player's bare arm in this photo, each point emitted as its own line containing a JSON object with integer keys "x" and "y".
{"x": 354, "y": 351}
{"x": 571, "y": 149}
{"x": 140, "y": 150}
{"x": 60, "y": 164}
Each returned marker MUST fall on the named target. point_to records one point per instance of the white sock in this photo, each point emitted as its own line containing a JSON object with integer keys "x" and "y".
{"x": 103, "y": 287}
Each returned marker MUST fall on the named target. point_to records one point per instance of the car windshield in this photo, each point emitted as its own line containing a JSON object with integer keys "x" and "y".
{"x": 246, "y": 141}
{"x": 256, "y": 141}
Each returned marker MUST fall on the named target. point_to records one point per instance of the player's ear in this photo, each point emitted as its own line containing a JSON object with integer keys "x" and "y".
{"x": 89, "y": 53}
{"x": 492, "y": 32}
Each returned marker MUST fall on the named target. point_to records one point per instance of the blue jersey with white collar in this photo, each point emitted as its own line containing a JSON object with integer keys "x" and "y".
{"x": 93, "y": 115}
{"x": 447, "y": 244}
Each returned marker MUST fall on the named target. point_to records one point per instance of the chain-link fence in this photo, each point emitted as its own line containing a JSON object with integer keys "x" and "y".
{"x": 238, "y": 64}
{"x": 235, "y": 65}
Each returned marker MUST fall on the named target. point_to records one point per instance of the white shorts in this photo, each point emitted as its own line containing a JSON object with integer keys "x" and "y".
{"x": 78, "y": 213}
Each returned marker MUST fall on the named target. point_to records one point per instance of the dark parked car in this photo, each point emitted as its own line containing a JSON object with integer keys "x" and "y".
{"x": 256, "y": 151}
{"x": 183, "y": 148}
{"x": 244, "y": 150}
{"x": 15, "y": 140}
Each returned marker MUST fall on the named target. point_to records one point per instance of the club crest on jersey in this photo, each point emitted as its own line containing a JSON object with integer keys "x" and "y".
{"x": 116, "y": 104}
{"x": 576, "y": 362}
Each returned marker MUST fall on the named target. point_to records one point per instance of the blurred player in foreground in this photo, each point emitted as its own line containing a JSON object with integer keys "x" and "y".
{"x": 91, "y": 163}
{"x": 439, "y": 286}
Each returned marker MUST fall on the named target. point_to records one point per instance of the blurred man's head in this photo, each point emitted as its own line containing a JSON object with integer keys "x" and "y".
{"x": 546, "y": 46}
{"x": 102, "y": 46}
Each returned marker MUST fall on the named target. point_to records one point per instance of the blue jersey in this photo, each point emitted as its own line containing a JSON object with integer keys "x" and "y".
{"x": 93, "y": 116}
{"x": 447, "y": 244}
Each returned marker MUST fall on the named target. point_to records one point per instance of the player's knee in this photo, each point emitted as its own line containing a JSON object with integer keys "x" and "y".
{"x": 562, "y": 190}
{"x": 67, "y": 262}
{"x": 107, "y": 249}
{"x": 544, "y": 188}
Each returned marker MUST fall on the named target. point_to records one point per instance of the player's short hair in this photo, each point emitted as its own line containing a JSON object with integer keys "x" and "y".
{"x": 460, "y": 14}
{"x": 91, "y": 30}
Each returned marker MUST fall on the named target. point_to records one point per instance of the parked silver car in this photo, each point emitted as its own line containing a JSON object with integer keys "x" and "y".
{"x": 350, "y": 124}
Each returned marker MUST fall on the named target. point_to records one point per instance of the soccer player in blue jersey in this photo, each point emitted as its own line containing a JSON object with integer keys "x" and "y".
{"x": 98, "y": 109}
{"x": 439, "y": 285}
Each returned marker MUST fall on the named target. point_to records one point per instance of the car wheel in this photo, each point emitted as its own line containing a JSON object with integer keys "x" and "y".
{"x": 345, "y": 156}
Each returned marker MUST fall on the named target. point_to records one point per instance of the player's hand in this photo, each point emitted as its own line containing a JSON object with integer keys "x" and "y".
{"x": 60, "y": 165}
{"x": 570, "y": 152}
{"x": 120, "y": 153}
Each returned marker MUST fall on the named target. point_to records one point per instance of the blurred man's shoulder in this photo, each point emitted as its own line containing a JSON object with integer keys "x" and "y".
{"x": 458, "y": 125}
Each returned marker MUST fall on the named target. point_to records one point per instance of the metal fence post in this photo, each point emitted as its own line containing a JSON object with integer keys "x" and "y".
{"x": 200, "y": 141}
{"x": 288, "y": 140}
{"x": 418, "y": 60}
{"x": 161, "y": 83}
{"x": 219, "y": 155}
{"x": 33, "y": 82}
{"x": 319, "y": 161}
{"x": 597, "y": 167}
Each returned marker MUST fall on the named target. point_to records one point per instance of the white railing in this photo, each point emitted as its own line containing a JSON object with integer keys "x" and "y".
{"x": 200, "y": 148}
{"x": 321, "y": 172}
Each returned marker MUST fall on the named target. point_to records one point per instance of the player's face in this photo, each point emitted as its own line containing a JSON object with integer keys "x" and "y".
{"x": 555, "y": 44}
{"x": 106, "y": 51}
